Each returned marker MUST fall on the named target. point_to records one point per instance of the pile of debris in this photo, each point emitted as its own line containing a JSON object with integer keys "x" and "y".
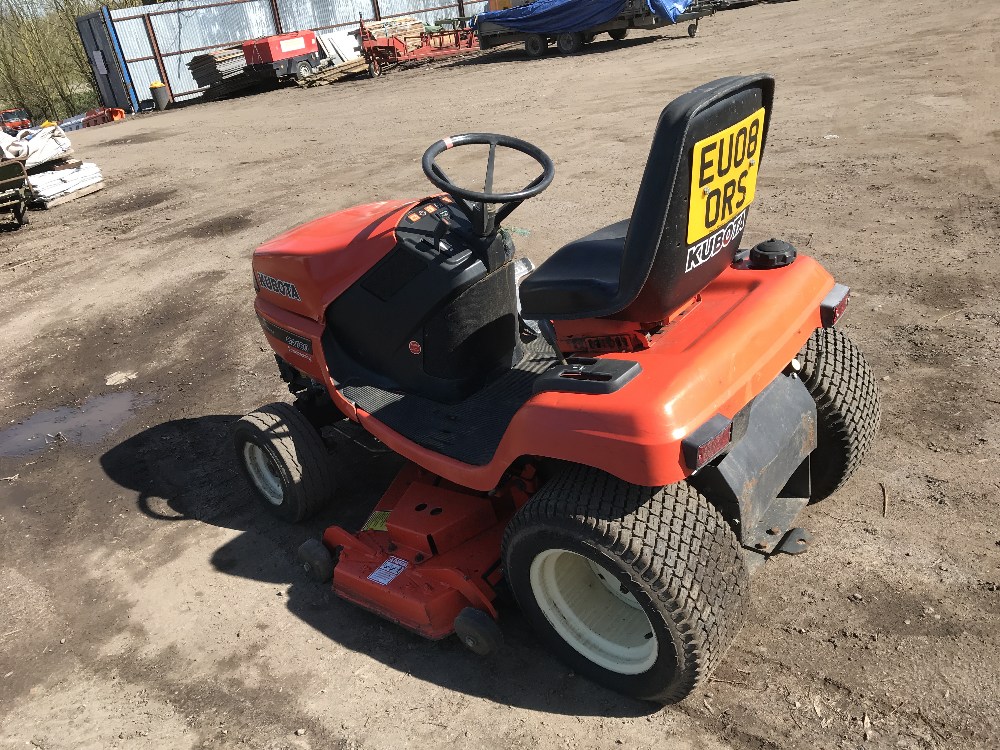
{"x": 406, "y": 28}
{"x": 54, "y": 177}
{"x": 221, "y": 71}
{"x": 343, "y": 59}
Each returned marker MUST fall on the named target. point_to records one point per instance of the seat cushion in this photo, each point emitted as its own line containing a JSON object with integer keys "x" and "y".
{"x": 579, "y": 278}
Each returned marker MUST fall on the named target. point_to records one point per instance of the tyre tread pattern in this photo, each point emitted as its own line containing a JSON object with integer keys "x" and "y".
{"x": 671, "y": 538}
{"x": 301, "y": 449}
{"x": 848, "y": 407}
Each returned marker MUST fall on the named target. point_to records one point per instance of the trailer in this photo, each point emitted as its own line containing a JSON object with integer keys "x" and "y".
{"x": 635, "y": 14}
{"x": 384, "y": 52}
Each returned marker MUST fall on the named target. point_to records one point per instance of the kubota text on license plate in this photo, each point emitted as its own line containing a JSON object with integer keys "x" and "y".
{"x": 724, "y": 175}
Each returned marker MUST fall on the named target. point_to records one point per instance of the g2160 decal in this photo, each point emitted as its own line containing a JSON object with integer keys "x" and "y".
{"x": 294, "y": 340}
{"x": 284, "y": 288}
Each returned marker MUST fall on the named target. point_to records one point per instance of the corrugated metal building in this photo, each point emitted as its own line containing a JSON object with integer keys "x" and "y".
{"x": 130, "y": 48}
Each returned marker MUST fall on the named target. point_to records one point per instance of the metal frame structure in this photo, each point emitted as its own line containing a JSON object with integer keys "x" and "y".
{"x": 140, "y": 45}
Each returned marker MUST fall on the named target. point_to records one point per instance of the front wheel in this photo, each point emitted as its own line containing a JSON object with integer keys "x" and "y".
{"x": 618, "y": 34}
{"x": 284, "y": 461}
{"x": 374, "y": 69}
{"x": 848, "y": 408}
{"x": 640, "y": 589}
{"x": 693, "y": 30}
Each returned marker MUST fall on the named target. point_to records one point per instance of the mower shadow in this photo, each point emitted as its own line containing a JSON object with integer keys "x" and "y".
{"x": 183, "y": 470}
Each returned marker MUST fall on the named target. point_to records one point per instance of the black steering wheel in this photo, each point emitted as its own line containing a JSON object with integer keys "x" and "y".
{"x": 476, "y": 202}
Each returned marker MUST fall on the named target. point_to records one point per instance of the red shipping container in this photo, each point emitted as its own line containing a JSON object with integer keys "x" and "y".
{"x": 270, "y": 49}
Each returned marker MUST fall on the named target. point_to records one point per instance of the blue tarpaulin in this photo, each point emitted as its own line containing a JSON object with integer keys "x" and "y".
{"x": 562, "y": 16}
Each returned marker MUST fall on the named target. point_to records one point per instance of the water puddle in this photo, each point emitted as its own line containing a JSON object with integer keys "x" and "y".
{"x": 88, "y": 423}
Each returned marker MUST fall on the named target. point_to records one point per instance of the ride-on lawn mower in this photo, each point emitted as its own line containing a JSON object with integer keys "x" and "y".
{"x": 618, "y": 437}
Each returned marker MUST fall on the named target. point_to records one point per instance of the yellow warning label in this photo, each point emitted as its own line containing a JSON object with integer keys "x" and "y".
{"x": 724, "y": 175}
{"x": 376, "y": 521}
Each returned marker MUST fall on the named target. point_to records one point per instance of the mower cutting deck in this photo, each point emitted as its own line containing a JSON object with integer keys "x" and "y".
{"x": 619, "y": 438}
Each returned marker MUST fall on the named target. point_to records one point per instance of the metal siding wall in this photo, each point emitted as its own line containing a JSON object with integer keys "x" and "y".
{"x": 219, "y": 26}
{"x": 413, "y": 8}
{"x": 316, "y": 14}
{"x": 133, "y": 39}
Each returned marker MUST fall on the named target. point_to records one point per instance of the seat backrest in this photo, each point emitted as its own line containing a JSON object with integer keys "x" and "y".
{"x": 692, "y": 204}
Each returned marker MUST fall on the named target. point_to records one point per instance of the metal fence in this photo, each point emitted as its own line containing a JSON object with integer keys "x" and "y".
{"x": 156, "y": 42}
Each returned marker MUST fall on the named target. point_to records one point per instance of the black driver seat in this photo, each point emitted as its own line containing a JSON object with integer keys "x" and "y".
{"x": 641, "y": 269}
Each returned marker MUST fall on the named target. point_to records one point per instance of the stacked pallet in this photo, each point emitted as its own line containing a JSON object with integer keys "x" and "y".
{"x": 217, "y": 66}
{"x": 407, "y": 28}
{"x": 65, "y": 184}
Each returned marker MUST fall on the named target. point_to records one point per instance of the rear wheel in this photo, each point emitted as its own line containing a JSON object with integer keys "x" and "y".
{"x": 641, "y": 589}
{"x": 303, "y": 70}
{"x": 618, "y": 34}
{"x": 535, "y": 45}
{"x": 21, "y": 215}
{"x": 569, "y": 43}
{"x": 848, "y": 408}
{"x": 284, "y": 461}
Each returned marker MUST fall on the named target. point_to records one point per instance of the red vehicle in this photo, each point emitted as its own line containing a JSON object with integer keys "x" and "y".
{"x": 618, "y": 438}
{"x": 284, "y": 55}
{"x": 14, "y": 120}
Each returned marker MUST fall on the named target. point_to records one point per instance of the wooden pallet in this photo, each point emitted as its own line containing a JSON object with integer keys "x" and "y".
{"x": 337, "y": 73}
{"x": 90, "y": 189}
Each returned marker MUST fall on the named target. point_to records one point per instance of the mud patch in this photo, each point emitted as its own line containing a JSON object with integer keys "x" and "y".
{"x": 134, "y": 139}
{"x": 88, "y": 423}
{"x": 220, "y": 226}
{"x": 140, "y": 201}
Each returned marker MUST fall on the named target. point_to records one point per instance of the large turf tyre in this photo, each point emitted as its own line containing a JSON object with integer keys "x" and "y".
{"x": 641, "y": 589}
{"x": 535, "y": 45}
{"x": 569, "y": 43}
{"x": 618, "y": 34}
{"x": 284, "y": 461}
{"x": 848, "y": 408}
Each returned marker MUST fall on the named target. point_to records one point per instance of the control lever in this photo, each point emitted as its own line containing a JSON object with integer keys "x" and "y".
{"x": 548, "y": 332}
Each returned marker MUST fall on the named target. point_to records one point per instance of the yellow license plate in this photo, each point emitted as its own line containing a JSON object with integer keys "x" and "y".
{"x": 724, "y": 175}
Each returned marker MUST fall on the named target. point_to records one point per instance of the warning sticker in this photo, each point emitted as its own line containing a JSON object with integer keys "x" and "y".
{"x": 386, "y": 573}
{"x": 376, "y": 521}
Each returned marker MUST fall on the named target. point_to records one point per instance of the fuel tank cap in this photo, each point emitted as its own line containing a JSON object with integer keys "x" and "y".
{"x": 771, "y": 254}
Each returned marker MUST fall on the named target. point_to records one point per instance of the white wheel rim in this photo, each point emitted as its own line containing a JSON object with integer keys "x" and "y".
{"x": 264, "y": 473}
{"x": 585, "y": 605}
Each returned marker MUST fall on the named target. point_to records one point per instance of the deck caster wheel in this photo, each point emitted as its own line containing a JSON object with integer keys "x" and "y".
{"x": 693, "y": 30}
{"x": 848, "y": 408}
{"x": 535, "y": 45}
{"x": 316, "y": 560}
{"x": 618, "y": 34}
{"x": 478, "y": 632}
{"x": 284, "y": 461}
{"x": 569, "y": 43}
{"x": 640, "y": 589}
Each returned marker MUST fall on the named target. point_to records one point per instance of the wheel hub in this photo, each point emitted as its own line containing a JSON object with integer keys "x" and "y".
{"x": 593, "y": 612}
{"x": 263, "y": 472}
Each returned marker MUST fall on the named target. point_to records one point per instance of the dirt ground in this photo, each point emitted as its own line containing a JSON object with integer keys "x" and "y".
{"x": 145, "y": 604}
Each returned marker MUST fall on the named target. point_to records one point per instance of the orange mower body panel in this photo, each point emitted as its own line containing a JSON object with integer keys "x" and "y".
{"x": 713, "y": 357}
